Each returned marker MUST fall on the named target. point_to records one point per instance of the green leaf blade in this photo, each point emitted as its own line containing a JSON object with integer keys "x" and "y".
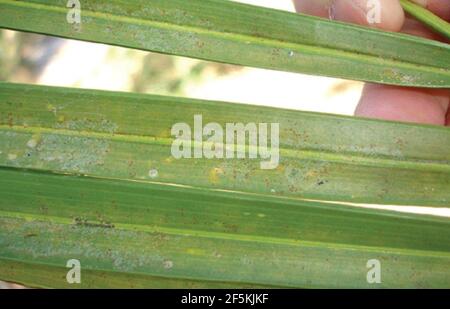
{"x": 187, "y": 236}
{"x": 427, "y": 17}
{"x": 124, "y": 136}
{"x": 241, "y": 34}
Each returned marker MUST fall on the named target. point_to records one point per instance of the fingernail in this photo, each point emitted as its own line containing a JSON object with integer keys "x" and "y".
{"x": 348, "y": 10}
{"x": 382, "y": 14}
{"x": 331, "y": 11}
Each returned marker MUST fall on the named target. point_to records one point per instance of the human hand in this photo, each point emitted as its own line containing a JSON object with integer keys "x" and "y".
{"x": 429, "y": 106}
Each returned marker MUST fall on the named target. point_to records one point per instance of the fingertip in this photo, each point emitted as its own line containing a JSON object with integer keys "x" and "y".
{"x": 402, "y": 104}
{"x": 318, "y": 8}
{"x": 382, "y": 14}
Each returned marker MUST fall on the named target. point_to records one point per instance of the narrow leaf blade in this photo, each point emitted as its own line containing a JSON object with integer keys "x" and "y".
{"x": 186, "y": 236}
{"x": 235, "y": 33}
{"x": 126, "y": 136}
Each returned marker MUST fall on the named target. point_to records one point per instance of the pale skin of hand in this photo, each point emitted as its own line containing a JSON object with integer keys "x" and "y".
{"x": 426, "y": 106}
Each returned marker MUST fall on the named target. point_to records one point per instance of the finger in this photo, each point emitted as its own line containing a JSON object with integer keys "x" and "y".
{"x": 404, "y": 104}
{"x": 448, "y": 118}
{"x": 438, "y": 7}
{"x": 382, "y": 14}
{"x": 415, "y": 27}
{"x": 313, "y": 7}
{"x": 391, "y": 15}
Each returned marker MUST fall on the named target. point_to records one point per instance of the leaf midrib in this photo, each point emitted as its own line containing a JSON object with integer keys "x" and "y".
{"x": 233, "y": 237}
{"x": 354, "y": 158}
